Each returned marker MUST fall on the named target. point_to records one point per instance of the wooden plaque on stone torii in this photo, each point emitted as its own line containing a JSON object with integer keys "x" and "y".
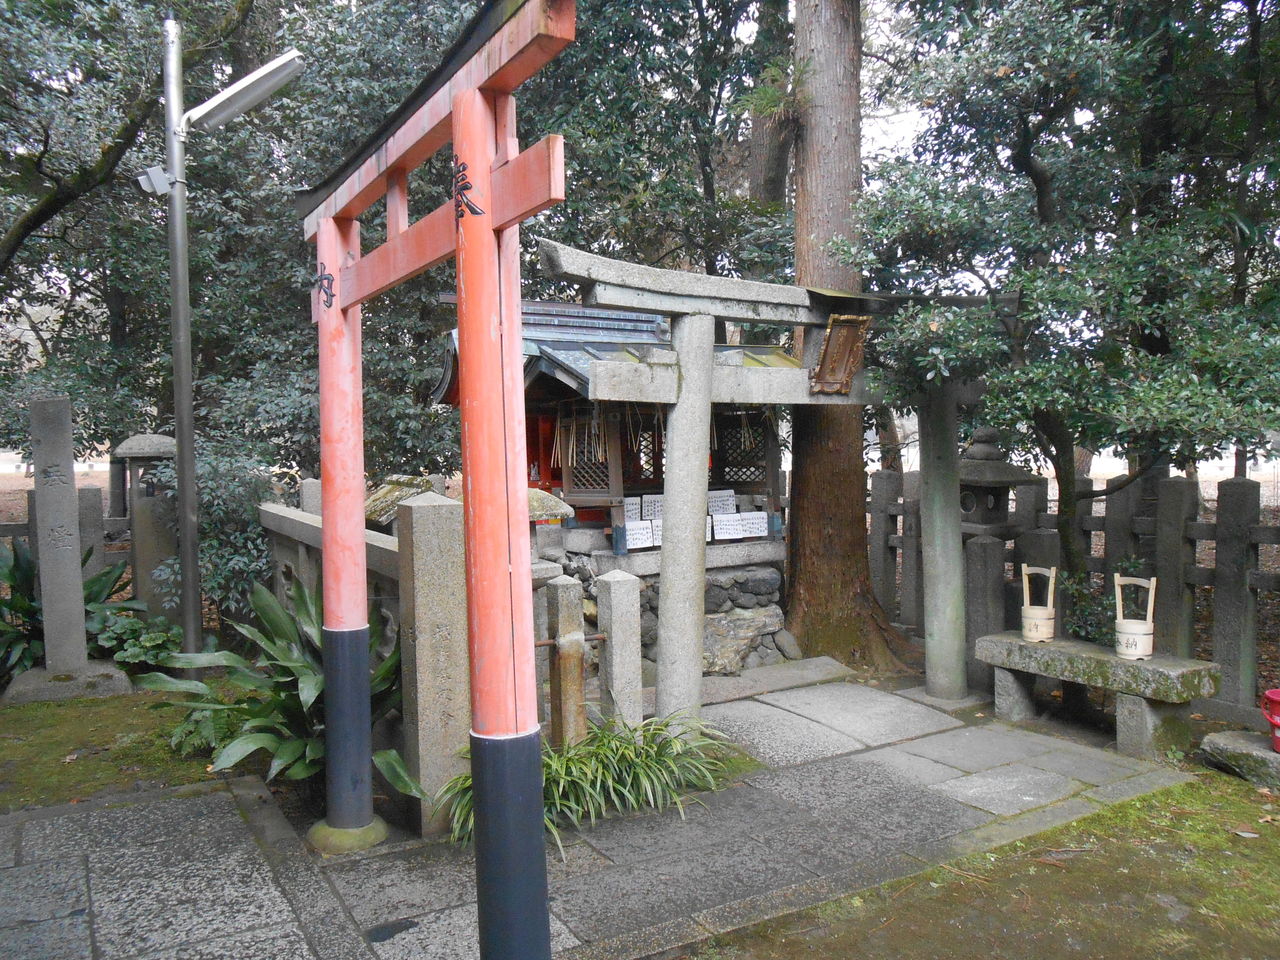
{"x": 467, "y": 102}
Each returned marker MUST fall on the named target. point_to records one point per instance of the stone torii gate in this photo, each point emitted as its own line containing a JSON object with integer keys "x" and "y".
{"x": 692, "y": 380}
{"x": 467, "y": 100}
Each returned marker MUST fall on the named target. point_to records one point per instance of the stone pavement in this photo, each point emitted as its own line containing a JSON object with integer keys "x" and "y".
{"x": 859, "y": 786}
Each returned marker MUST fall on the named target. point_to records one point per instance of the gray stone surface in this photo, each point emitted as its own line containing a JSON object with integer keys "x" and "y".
{"x": 1009, "y": 789}
{"x": 628, "y": 897}
{"x": 106, "y": 831}
{"x": 618, "y": 618}
{"x": 728, "y": 636}
{"x": 921, "y": 695}
{"x": 1149, "y": 728}
{"x": 872, "y": 716}
{"x": 97, "y": 679}
{"x": 448, "y": 934}
{"x": 434, "y": 666}
{"x": 722, "y": 819}
{"x": 152, "y": 898}
{"x": 309, "y": 495}
{"x": 42, "y": 891}
{"x": 58, "y": 535}
{"x": 1089, "y": 766}
{"x": 282, "y": 942}
{"x": 860, "y": 797}
{"x": 1014, "y": 695}
{"x": 1165, "y": 678}
{"x": 920, "y": 769}
{"x": 977, "y": 748}
{"x": 777, "y": 737}
{"x": 788, "y": 645}
{"x": 146, "y": 446}
{"x": 1245, "y": 753}
{"x": 1143, "y": 783}
{"x": 684, "y": 488}
{"x": 63, "y": 938}
{"x": 381, "y": 889}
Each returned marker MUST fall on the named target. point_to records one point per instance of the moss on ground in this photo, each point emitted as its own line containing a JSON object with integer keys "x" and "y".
{"x": 1172, "y": 875}
{"x": 62, "y": 752}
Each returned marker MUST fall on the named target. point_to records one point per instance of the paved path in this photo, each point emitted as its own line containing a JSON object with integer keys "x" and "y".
{"x": 861, "y": 786}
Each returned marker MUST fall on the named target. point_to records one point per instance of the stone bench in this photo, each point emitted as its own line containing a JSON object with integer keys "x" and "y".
{"x": 1153, "y": 697}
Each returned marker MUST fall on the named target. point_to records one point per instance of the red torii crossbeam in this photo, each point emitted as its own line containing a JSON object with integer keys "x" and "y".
{"x": 495, "y": 187}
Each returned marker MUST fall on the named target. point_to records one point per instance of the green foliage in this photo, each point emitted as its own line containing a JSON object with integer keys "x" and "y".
{"x": 21, "y": 625}
{"x": 280, "y": 707}
{"x": 134, "y": 642}
{"x": 1115, "y": 164}
{"x": 1090, "y": 613}
{"x": 614, "y": 767}
{"x": 235, "y": 554}
{"x": 22, "y": 615}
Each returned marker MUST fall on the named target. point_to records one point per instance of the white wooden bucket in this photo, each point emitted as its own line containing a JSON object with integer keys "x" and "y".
{"x": 1135, "y": 639}
{"x": 1039, "y": 623}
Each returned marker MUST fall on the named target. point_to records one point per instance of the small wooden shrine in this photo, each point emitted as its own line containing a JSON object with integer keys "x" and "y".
{"x": 602, "y": 455}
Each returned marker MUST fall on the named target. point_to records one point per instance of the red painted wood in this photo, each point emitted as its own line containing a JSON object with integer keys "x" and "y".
{"x": 527, "y": 185}
{"x": 342, "y": 487}
{"x": 526, "y": 43}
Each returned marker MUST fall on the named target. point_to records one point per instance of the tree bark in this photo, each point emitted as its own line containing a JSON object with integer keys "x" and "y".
{"x": 772, "y": 136}
{"x": 831, "y": 607}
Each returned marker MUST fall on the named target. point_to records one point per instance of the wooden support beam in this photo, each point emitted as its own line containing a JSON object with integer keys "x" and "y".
{"x": 532, "y": 38}
{"x": 525, "y": 186}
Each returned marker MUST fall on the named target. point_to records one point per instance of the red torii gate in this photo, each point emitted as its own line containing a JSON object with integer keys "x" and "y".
{"x": 495, "y": 186}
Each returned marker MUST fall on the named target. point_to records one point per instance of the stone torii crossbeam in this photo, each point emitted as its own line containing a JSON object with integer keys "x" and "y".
{"x": 467, "y": 100}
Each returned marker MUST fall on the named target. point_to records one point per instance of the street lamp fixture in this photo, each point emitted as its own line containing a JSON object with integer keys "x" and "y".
{"x": 171, "y": 181}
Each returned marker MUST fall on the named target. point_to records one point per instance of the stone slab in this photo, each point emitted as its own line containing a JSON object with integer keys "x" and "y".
{"x": 62, "y": 938}
{"x": 661, "y": 940}
{"x": 871, "y": 799}
{"x": 725, "y": 819}
{"x": 971, "y": 702}
{"x": 919, "y": 769}
{"x": 997, "y": 833}
{"x": 1010, "y": 789}
{"x": 107, "y": 831}
{"x": 155, "y": 898}
{"x": 629, "y": 897}
{"x": 777, "y": 737}
{"x": 407, "y": 884}
{"x": 755, "y": 681}
{"x": 1165, "y": 678}
{"x": 977, "y": 748}
{"x": 1143, "y": 783}
{"x": 96, "y": 680}
{"x": 1094, "y": 767}
{"x": 284, "y": 942}
{"x": 42, "y": 891}
{"x": 448, "y": 934}
{"x": 1247, "y": 754}
{"x": 647, "y": 563}
{"x": 872, "y": 716}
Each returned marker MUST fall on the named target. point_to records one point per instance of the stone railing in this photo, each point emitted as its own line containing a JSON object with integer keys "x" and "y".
{"x": 417, "y": 582}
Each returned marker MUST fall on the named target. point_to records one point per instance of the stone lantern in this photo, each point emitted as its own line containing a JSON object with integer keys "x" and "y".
{"x": 985, "y": 481}
{"x": 151, "y": 522}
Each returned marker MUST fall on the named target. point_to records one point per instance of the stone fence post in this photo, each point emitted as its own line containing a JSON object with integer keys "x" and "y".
{"x": 433, "y": 643}
{"x": 564, "y": 626}
{"x": 1175, "y": 598}
{"x": 1235, "y": 625}
{"x": 911, "y": 593}
{"x": 984, "y": 602}
{"x": 886, "y": 491}
{"x": 618, "y": 599}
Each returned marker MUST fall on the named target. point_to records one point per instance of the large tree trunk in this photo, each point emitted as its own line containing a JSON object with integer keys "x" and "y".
{"x": 831, "y": 607}
{"x": 772, "y": 136}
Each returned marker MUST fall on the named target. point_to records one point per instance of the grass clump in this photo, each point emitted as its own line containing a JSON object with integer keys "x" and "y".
{"x": 615, "y": 767}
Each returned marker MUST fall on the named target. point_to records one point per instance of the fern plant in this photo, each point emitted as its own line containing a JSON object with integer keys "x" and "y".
{"x": 652, "y": 765}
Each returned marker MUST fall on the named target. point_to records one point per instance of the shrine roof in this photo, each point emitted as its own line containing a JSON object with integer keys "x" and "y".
{"x": 562, "y": 339}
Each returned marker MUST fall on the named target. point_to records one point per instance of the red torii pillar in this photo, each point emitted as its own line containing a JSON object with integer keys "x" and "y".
{"x": 495, "y": 187}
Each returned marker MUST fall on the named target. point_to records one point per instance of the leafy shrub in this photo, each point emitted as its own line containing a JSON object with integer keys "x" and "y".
{"x": 132, "y": 641}
{"x": 1089, "y": 614}
{"x": 234, "y": 551}
{"x": 614, "y": 767}
{"x": 281, "y": 708}
{"x": 22, "y": 615}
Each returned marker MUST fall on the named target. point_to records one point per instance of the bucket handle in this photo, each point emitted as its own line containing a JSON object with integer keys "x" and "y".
{"x": 1149, "y": 585}
{"x": 1051, "y": 573}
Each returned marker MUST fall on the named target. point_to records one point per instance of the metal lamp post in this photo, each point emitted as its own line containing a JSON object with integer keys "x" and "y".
{"x": 171, "y": 179}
